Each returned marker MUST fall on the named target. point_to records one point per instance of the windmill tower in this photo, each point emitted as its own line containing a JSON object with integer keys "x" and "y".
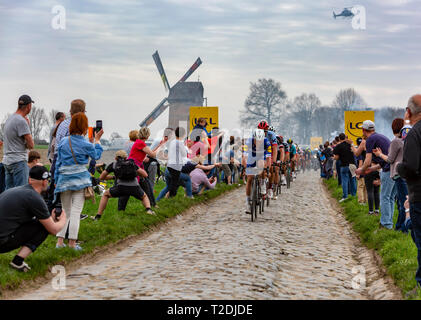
{"x": 182, "y": 96}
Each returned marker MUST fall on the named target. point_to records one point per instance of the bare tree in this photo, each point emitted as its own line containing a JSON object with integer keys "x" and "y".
{"x": 265, "y": 102}
{"x": 304, "y": 108}
{"x": 349, "y": 99}
{"x": 37, "y": 122}
{"x": 115, "y": 135}
{"x": 51, "y": 118}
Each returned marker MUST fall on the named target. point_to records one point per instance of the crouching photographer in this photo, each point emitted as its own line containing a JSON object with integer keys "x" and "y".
{"x": 25, "y": 220}
{"x": 125, "y": 172}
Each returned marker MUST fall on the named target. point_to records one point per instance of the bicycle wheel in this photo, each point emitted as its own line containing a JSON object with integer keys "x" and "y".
{"x": 259, "y": 197}
{"x": 267, "y": 199}
{"x": 253, "y": 200}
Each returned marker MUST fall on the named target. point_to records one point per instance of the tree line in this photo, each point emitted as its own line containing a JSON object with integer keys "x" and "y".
{"x": 305, "y": 116}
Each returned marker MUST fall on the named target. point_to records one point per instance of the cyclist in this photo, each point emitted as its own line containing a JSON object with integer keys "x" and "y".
{"x": 271, "y": 136}
{"x": 256, "y": 156}
{"x": 292, "y": 156}
{"x": 273, "y": 177}
{"x": 286, "y": 159}
{"x": 280, "y": 159}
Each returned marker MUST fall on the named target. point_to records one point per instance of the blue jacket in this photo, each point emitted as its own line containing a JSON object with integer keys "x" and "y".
{"x": 69, "y": 175}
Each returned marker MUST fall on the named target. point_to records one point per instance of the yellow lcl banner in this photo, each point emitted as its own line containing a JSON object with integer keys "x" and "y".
{"x": 211, "y": 114}
{"x": 315, "y": 142}
{"x": 354, "y": 122}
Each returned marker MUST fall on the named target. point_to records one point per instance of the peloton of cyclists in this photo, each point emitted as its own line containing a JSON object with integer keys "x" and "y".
{"x": 268, "y": 153}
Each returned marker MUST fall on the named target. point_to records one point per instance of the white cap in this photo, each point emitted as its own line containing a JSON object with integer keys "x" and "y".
{"x": 369, "y": 125}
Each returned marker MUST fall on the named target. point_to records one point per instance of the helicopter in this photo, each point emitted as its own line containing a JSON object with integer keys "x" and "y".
{"x": 346, "y": 13}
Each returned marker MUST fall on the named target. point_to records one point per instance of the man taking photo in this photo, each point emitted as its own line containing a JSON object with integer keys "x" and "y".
{"x": 25, "y": 221}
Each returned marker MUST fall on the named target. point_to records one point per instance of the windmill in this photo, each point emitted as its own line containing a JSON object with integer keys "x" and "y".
{"x": 181, "y": 96}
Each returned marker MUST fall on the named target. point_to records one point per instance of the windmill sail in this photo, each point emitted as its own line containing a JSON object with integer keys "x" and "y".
{"x": 154, "y": 114}
{"x": 161, "y": 70}
{"x": 191, "y": 70}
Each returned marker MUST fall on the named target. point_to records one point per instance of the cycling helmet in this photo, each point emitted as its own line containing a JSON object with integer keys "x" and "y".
{"x": 272, "y": 128}
{"x": 263, "y": 125}
{"x": 259, "y": 134}
{"x": 404, "y": 131}
{"x": 290, "y": 141}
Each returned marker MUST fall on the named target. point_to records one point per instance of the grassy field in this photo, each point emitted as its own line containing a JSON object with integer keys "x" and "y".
{"x": 112, "y": 227}
{"x": 40, "y": 147}
{"x": 398, "y": 251}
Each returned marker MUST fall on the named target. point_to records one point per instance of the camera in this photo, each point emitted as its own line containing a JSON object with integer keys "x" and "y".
{"x": 58, "y": 208}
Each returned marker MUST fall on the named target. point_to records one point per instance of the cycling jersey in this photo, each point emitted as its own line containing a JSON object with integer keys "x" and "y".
{"x": 272, "y": 138}
{"x": 293, "y": 150}
{"x": 286, "y": 147}
{"x": 281, "y": 146}
{"x": 254, "y": 155}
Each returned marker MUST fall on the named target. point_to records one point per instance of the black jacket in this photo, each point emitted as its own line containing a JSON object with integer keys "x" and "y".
{"x": 410, "y": 168}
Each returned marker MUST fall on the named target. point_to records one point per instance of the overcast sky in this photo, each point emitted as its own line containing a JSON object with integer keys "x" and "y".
{"x": 104, "y": 55}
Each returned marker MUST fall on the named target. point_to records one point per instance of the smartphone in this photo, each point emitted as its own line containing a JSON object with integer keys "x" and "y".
{"x": 58, "y": 211}
{"x": 98, "y": 125}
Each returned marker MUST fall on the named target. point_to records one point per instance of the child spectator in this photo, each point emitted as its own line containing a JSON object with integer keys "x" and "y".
{"x": 33, "y": 159}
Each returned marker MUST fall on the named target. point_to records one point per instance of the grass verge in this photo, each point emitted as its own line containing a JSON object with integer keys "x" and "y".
{"x": 113, "y": 227}
{"x": 397, "y": 250}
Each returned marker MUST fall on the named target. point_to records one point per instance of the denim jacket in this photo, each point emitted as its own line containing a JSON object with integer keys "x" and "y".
{"x": 68, "y": 174}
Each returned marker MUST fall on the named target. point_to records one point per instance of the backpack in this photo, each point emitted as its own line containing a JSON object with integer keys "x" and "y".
{"x": 125, "y": 170}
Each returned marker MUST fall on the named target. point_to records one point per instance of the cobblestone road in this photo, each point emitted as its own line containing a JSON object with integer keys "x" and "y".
{"x": 301, "y": 248}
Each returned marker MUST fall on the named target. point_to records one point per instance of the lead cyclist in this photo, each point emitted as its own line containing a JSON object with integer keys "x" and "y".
{"x": 256, "y": 157}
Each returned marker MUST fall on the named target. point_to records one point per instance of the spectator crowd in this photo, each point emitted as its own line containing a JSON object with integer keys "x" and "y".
{"x": 382, "y": 173}
{"x": 36, "y": 200}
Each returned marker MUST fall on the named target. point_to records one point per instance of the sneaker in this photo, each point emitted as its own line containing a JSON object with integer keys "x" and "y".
{"x": 371, "y": 213}
{"x": 97, "y": 217}
{"x": 150, "y": 212}
{"x": 248, "y": 208}
{"x": 342, "y": 200}
{"x": 376, "y": 212}
{"x": 77, "y": 247}
{"x": 83, "y": 217}
{"x": 22, "y": 268}
{"x": 61, "y": 246}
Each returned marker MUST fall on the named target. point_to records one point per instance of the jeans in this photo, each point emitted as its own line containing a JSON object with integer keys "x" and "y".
{"x": 387, "y": 200}
{"x": 373, "y": 192}
{"x": 2, "y": 178}
{"x": 17, "y": 174}
{"x": 202, "y": 186}
{"x": 349, "y": 183}
{"x": 415, "y": 212}
{"x": 402, "y": 192}
{"x": 184, "y": 181}
{"x": 338, "y": 171}
{"x": 152, "y": 170}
